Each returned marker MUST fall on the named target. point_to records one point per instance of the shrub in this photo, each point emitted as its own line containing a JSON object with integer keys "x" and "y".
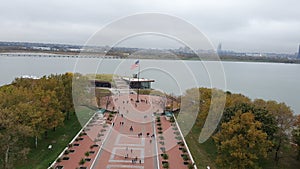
{"x": 82, "y": 161}
{"x": 166, "y": 165}
{"x": 58, "y": 160}
{"x": 185, "y": 157}
{"x": 177, "y": 133}
{"x": 87, "y": 153}
{"x": 66, "y": 152}
{"x": 162, "y": 143}
{"x": 165, "y": 156}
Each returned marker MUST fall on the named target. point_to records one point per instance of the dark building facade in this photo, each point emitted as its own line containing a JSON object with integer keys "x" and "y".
{"x": 298, "y": 56}
{"x": 97, "y": 83}
{"x": 135, "y": 83}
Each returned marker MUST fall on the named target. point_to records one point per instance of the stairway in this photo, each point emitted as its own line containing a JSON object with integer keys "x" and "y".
{"x": 121, "y": 86}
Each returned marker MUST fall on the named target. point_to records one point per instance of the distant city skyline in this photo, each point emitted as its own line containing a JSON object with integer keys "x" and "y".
{"x": 242, "y": 26}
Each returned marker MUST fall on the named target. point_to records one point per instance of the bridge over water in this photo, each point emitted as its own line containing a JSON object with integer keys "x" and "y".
{"x": 57, "y": 55}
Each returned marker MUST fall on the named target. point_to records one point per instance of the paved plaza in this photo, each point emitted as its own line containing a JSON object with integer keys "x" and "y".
{"x": 127, "y": 139}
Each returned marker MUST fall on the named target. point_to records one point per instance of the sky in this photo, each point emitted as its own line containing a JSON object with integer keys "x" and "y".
{"x": 240, "y": 25}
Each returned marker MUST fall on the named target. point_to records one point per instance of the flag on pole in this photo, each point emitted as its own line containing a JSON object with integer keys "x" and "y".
{"x": 135, "y": 65}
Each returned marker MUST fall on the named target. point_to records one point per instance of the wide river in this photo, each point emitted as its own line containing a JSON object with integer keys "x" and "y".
{"x": 271, "y": 81}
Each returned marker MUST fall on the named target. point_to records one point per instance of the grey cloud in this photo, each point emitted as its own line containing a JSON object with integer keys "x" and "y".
{"x": 239, "y": 25}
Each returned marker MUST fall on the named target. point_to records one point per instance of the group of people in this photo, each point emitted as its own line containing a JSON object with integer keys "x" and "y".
{"x": 134, "y": 160}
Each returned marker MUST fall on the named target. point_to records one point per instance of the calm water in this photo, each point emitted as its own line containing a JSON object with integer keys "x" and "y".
{"x": 272, "y": 81}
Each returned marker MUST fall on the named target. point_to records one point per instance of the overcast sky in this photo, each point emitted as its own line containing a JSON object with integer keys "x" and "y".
{"x": 240, "y": 25}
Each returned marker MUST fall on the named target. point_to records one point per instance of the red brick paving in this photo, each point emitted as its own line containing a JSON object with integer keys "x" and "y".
{"x": 112, "y": 152}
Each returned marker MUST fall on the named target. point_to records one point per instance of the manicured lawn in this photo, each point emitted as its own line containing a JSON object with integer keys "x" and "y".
{"x": 41, "y": 157}
{"x": 204, "y": 154}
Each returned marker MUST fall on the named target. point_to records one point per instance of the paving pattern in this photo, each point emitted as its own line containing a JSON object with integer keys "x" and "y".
{"x": 131, "y": 144}
{"x": 128, "y": 139}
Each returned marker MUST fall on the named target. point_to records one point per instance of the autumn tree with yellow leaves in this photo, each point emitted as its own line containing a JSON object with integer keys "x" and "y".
{"x": 241, "y": 142}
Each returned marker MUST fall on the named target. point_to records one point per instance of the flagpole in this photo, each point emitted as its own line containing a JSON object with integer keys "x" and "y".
{"x": 138, "y": 76}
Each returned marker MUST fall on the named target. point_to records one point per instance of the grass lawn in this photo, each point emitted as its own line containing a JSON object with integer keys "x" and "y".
{"x": 204, "y": 154}
{"x": 41, "y": 157}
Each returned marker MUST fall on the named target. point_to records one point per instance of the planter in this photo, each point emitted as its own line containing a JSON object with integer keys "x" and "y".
{"x": 165, "y": 156}
{"x": 65, "y": 158}
{"x": 58, "y": 160}
{"x": 186, "y": 163}
{"x": 165, "y": 164}
{"x": 66, "y": 152}
{"x": 184, "y": 150}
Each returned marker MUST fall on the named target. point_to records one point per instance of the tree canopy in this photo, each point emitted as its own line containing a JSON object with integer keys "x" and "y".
{"x": 241, "y": 142}
{"x": 29, "y": 108}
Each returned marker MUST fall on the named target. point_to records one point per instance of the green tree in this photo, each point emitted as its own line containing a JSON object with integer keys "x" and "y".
{"x": 269, "y": 124}
{"x": 296, "y": 135}
{"x": 284, "y": 120}
{"x": 241, "y": 142}
{"x": 12, "y": 133}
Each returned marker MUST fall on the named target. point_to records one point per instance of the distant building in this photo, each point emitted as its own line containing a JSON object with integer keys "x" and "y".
{"x": 298, "y": 53}
{"x": 219, "y": 49}
{"x": 141, "y": 83}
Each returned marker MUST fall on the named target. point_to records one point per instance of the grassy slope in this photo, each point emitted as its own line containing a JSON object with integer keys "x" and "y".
{"x": 203, "y": 154}
{"x": 41, "y": 157}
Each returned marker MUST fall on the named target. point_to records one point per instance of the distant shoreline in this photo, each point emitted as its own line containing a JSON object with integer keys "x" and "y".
{"x": 116, "y": 56}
